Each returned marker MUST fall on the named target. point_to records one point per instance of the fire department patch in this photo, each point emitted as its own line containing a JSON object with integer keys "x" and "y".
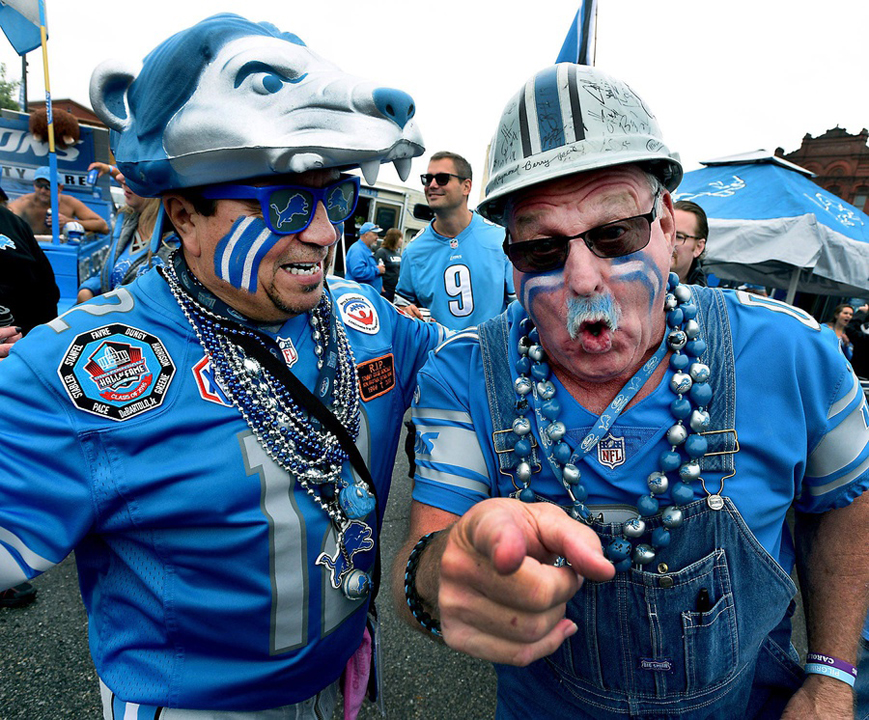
{"x": 209, "y": 387}
{"x": 376, "y": 377}
{"x": 611, "y": 451}
{"x": 359, "y": 314}
{"x": 116, "y": 371}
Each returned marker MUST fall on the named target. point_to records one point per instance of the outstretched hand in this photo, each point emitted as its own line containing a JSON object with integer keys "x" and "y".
{"x": 500, "y": 596}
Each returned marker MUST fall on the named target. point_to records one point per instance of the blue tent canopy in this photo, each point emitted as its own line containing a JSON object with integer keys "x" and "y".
{"x": 770, "y": 224}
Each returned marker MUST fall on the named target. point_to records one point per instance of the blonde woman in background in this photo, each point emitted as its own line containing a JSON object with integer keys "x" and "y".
{"x": 130, "y": 253}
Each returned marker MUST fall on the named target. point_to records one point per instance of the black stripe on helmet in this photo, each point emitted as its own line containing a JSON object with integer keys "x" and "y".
{"x": 575, "y": 108}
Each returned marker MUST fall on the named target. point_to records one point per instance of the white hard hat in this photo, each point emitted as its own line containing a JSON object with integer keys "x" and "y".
{"x": 73, "y": 231}
{"x": 570, "y": 119}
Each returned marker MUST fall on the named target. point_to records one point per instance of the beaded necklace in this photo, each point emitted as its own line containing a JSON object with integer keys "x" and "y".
{"x": 292, "y": 438}
{"x": 693, "y": 395}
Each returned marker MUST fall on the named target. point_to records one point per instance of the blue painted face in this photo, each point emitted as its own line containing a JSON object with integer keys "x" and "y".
{"x": 597, "y": 317}
{"x": 604, "y": 308}
{"x": 240, "y": 252}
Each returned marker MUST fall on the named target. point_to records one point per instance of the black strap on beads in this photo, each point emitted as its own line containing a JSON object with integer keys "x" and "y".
{"x": 414, "y": 601}
{"x": 259, "y": 352}
{"x": 258, "y": 349}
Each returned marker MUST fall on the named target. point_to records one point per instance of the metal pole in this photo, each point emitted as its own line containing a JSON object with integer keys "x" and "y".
{"x": 594, "y": 55}
{"x": 52, "y": 155}
{"x": 24, "y": 83}
{"x": 792, "y": 286}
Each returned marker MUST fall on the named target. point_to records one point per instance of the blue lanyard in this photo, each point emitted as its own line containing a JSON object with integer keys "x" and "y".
{"x": 607, "y": 417}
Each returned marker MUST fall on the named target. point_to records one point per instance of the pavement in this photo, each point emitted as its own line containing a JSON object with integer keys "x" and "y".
{"x": 46, "y": 672}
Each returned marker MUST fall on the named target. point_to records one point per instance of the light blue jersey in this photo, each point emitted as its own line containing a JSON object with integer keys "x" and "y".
{"x": 463, "y": 280}
{"x": 197, "y": 553}
{"x": 801, "y": 420}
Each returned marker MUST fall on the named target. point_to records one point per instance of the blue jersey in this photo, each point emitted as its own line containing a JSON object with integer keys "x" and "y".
{"x": 197, "y": 553}
{"x": 801, "y": 420}
{"x": 463, "y": 280}
{"x": 362, "y": 267}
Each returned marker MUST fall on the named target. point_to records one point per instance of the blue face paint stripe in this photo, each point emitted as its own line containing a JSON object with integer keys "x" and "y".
{"x": 252, "y": 259}
{"x": 247, "y": 251}
{"x": 548, "y": 104}
{"x": 224, "y": 247}
{"x": 650, "y": 277}
{"x": 527, "y": 295}
{"x": 238, "y": 254}
{"x": 236, "y": 235}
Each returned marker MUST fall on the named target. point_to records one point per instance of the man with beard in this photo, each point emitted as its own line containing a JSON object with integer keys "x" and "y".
{"x": 604, "y": 471}
{"x": 225, "y": 518}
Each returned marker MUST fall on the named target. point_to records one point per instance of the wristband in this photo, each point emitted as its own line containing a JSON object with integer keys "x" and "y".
{"x": 818, "y": 664}
{"x": 414, "y": 601}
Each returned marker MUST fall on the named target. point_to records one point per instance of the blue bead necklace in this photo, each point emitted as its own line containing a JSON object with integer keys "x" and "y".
{"x": 295, "y": 440}
{"x": 535, "y": 391}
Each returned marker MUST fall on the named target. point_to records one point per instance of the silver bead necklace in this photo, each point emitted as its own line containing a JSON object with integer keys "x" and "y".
{"x": 292, "y": 438}
{"x": 537, "y": 393}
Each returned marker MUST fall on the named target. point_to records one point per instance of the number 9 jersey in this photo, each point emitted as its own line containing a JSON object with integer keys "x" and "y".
{"x": 463, "y": 280}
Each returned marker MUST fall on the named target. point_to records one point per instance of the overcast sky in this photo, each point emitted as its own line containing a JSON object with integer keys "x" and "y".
{"x": 722, "y": 77}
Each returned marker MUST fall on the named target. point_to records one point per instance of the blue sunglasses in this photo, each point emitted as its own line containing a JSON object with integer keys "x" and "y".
{"x": 289, "y": 209}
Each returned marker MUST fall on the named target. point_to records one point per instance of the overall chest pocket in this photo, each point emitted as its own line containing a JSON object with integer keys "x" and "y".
{"x": 655, "y": 635}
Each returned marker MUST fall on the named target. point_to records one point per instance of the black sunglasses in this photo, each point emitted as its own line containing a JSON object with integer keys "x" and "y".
{"x": 439, "y": 178}
{"x": 42, "y": 185}
{"x": 612, "y": 240}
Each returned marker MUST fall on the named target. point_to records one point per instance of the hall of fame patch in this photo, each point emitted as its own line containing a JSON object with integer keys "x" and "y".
{"x": 116, "y": 371}
{"x": 358, "y": 313}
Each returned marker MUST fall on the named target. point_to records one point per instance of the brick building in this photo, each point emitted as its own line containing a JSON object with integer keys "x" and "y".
{"x": 81, "y": 112}
{"x": 840, "y": 162}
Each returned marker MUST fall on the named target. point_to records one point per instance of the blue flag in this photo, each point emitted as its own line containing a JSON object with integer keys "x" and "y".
{"x": 19, "y": 20}
{"x": 577, "y": 45}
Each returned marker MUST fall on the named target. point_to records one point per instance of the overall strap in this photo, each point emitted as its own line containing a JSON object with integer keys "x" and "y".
{"x": 715, "y": 330}
{"x": 494, "y": 348}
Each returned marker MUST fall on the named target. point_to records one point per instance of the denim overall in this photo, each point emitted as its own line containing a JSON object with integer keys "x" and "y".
{"x": 703, "y": 632}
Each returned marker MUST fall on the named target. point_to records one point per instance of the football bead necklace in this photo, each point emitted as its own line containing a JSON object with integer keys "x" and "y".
{"x": 537, "y": 393}
{"x": 291, "y": 437}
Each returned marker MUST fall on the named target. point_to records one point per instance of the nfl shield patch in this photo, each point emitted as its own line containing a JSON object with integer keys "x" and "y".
{"x": 611, "y": 451}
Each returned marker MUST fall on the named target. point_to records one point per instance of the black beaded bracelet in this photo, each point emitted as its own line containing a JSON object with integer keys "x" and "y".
{"x": 414, "y": 601}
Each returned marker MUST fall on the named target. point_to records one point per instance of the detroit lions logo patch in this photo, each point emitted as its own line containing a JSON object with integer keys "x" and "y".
{"x": 116, "y": 371}
{"x": 358, "y": 313}
{"x": 6, "y": 242}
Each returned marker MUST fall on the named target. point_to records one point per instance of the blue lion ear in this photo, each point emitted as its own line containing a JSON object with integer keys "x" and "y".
{"x": 108, "y": 90}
